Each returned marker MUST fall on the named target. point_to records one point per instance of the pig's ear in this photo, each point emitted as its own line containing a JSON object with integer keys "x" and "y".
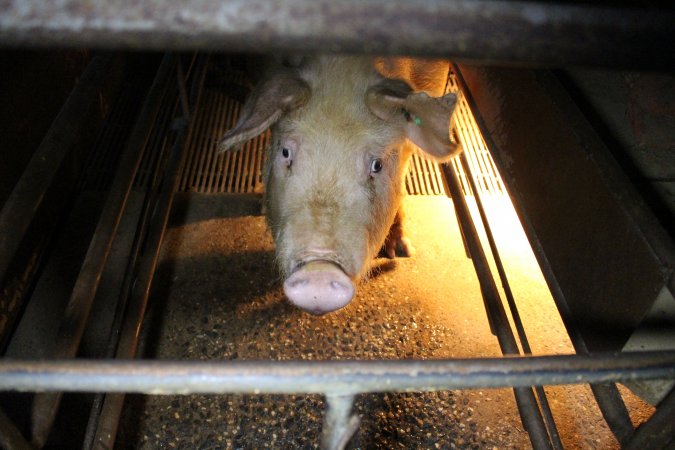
{"x": 271, "y": 98}
{"x": 426, "y": 120}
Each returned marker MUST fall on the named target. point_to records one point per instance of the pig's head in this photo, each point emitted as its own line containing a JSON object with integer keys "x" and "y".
{"x": 341, "y": 138}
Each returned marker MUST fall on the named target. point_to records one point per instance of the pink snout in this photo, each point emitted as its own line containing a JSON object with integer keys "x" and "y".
{"x": 319, "y": 287}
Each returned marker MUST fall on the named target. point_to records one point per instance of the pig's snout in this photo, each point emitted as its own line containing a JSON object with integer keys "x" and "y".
{"x": 319, "y": 287}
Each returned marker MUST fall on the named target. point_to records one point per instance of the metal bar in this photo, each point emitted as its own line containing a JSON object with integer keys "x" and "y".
{"x": 339, "y": 424}
{"x": 525, "y": 399}
{"x": 79, "y": 306}
{"x": 659, "y": 430}
{"x": 10, "y": 437}
{"x": 520, "y": 329}
{"x": 106, "y": 429}
{"x": 558, "y": 32}
{"x": 339, "y": 377}
{"x": 613, "y": 410}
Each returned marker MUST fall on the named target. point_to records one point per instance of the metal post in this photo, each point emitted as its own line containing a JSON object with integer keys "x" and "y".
{"x": 339, "y": 425}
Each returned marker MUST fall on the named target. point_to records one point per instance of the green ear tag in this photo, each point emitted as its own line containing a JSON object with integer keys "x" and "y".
{"x": 418, "y": 121}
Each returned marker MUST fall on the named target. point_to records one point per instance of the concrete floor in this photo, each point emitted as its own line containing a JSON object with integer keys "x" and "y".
{"x": 217, "y": 296}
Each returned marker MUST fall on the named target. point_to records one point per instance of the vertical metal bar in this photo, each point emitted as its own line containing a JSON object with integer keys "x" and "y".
{"x": 77, "y": 311}
{"x": 223, "y": 110}
{"x": 106, "y": 430}
{"x": 220, "y": 113}
{"x": 613, "y": 410}
{"x": 233, "y": 114}
{"x": 199, "y": 151}
{"x": 527, "y": 404}
{"x": 244, "y": 169}
{"x": 339, "y": 424}
{"x": 541, "y": 395}
{"x": 184, "y": 102}
{"x": 10, "y": 437}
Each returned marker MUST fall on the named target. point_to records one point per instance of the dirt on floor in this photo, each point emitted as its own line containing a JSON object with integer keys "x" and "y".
{"x": 217, "y": 296}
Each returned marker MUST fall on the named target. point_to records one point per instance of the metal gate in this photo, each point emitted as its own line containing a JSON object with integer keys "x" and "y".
{"x": 158, "y": 161}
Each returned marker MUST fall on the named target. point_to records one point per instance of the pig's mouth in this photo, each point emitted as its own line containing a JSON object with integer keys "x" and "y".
{"x": 319, "y": 286}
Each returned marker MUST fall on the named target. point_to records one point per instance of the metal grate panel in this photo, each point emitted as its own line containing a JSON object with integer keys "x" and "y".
{"x": 485, "y": 174}
{"x": 206, "y": 171}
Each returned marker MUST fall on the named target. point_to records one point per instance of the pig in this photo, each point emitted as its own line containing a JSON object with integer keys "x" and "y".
{"x": 343, "y": 129}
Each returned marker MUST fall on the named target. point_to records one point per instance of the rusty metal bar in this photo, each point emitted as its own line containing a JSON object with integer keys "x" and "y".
{"x": 79, "y": 306}
{"x": 525, "y": 399}
{"x": 338, "y": 377}
{"x": 560, "y": 33}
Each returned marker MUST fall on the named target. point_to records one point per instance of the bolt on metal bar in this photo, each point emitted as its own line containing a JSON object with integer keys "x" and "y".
{"x": 335, "y": 377}
{"x": 108, "y": 421}
{"x": 511, "y": 302}
{"x": 554, "y": 32}
{"x": 339, "y": 425}
{"x": 77, "y": 311}
{"x": 525, "y": 399}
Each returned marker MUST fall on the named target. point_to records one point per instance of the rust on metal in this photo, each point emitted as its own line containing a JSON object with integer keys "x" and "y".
{"x": 514, "y": 31}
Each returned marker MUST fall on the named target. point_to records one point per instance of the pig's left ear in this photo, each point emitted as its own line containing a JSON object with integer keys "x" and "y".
{"x": 426, "y": 120}
{"x": 280, "y": 92}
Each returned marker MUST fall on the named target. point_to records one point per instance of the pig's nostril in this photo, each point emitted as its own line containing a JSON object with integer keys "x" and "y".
{"x": 336, "y": 285}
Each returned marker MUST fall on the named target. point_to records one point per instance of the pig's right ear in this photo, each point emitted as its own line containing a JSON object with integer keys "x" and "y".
{"x": 425, "y": 119}
{"x": 271, "y": 98}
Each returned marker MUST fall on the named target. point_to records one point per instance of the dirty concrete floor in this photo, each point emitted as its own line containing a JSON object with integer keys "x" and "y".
{"x": 217, "y": 296}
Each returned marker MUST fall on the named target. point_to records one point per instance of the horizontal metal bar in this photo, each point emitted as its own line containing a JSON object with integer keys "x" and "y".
{"x": 334, "y": 377}
{"x": 495, "y": 31}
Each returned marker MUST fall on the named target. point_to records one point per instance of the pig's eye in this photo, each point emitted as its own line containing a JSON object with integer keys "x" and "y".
{"x": 375, "y": 166}
{"x": 287, "y": 155}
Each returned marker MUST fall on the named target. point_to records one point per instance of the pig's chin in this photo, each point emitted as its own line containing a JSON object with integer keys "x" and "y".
{"x": 319, "y": 286}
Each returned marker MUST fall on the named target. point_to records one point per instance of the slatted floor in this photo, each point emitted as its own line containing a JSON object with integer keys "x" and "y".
{"x": 207, "y": 171}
